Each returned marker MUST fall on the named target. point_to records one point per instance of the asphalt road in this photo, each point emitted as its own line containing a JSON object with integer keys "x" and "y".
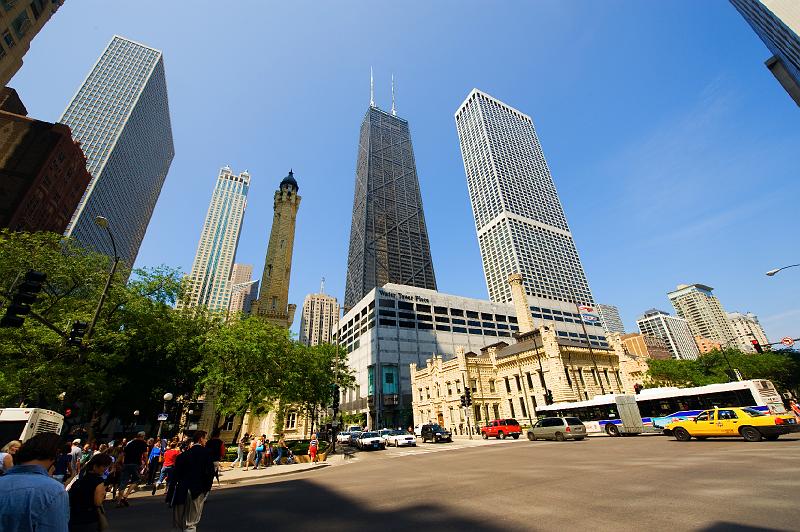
{"x": 645, "y": 483}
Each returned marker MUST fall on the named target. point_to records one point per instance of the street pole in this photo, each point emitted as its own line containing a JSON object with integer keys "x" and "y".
{"x": 467, "y": 386}
{"x": 588, "y": 342}
{"x": 100, "y": 221}
{"x": 167, "y": 397}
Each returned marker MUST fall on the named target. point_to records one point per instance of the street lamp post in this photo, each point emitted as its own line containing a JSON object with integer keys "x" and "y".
{"x": 167, "y": 397}
{"x": 776, "y": 270}
{"x": 102, "y": 222}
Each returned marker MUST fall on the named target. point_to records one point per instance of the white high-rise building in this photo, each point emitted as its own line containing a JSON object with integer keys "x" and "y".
{"x": 210, "y": 279}
{"x": 704, "y": 313}
{"x": 120, "y": 116}
{"x": 609, "y": 318}
{"x": 320, "y": 319}
{"x": 518, "y": 216}
{"x": 747, "y": 328}
{"x": 673, "y": 330}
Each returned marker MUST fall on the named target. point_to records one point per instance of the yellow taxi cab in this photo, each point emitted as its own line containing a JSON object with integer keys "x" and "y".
{"x": 748, "y": 423}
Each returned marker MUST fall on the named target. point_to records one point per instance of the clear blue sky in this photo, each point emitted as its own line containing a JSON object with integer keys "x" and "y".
{"x": 674, "y": 150}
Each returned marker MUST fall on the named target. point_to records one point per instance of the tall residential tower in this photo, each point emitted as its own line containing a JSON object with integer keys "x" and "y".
{"x": 703, "y": 312}
{"x": 777, "y": 23}
{"x": 518, "y": 216}
{"x": 210, "y": 280}
{"x": 120, "y": 115}
{"x": 674, "y": 331}
{"x": 273, "y": 299}
{"x": 388, "y": 235}
{"x": 319, "y": 320}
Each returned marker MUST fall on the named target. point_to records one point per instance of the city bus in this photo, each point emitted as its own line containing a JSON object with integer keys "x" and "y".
{"x": 22, "y": 423}
{"x": 660, "y": 406}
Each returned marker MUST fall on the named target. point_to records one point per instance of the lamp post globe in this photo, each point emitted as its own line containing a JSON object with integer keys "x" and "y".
{"x": 136, "y": 413}
{"x": 101, "y": 221}
{"x": 168, "y": 396}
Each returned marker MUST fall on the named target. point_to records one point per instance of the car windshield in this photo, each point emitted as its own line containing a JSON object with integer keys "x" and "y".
{"x": 398, "y": 432}
{"x": 369, "y": 434}
{"x": 573, "y": 421}
{"x": 752, "y": 412}
{"x": 436, "y": 428}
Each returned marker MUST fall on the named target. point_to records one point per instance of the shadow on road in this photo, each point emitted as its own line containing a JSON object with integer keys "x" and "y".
{"x": 722, "y": 526}
{"x": 294, "y": 505}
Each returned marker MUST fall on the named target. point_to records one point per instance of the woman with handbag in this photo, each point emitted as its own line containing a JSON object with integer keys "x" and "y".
{"x": 259, "y": 451}
{"x": 86, "y": 497}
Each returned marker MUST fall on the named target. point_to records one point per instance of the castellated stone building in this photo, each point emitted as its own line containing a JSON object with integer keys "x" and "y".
{"x": 511, "y": 379}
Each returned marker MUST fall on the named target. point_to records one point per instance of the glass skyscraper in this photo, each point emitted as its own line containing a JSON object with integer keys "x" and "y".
{"x": 120, "y": 115}
{"x": 388, "y": 237}
{"x": 210, "y": 282}
{"x": 519, "y": 219}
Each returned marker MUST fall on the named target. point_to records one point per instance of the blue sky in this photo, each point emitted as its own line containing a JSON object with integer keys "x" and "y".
{"x": 673, "y": 148}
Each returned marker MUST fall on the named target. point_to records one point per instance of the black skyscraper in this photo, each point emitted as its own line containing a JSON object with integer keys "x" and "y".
{"x": 388, "y": 237}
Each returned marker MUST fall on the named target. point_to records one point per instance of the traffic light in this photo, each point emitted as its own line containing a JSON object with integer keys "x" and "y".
{"x": 467, "y": 397}
{"x": 757, "y": 346}
{"x": 76, "y": 333}
{"x": 548, "y": 397}
{"x": 336, "y": 397}
{"x": 26, "y": 294}
{"x": 463, "y": 401}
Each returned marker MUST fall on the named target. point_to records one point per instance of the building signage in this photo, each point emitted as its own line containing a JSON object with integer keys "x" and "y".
{"x": 403, "y": 297}
{"x": 590, "y": 318}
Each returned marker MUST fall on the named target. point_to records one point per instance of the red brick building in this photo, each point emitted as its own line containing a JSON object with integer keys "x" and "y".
{"x": 42, "y": 170}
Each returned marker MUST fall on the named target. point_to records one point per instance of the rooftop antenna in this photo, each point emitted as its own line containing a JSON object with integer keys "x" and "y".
{"x": 322, "y": 286}
{"x": 394, "y": 111}
{"x": 371, "y": 89}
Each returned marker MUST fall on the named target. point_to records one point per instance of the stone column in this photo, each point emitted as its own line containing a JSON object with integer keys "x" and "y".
{"x": 520, "y": 298}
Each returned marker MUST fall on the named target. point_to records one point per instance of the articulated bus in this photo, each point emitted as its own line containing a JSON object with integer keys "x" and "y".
{"x": 22, "y": 423}
{"x": 660, "y": 406}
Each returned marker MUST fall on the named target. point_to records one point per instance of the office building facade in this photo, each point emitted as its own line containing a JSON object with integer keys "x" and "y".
{"x": 209, "y": 283}
{"x": 646, "y": 346}
{"x": 273, "y": 298}
{"x": 20, "y": 21}
{"x": 519, "y": 220}
{"x": 777, "y": 24}
{"x": 42, "y": 170}
{"x": 120, "y": 115}
{"x": 244, "y": 290}
{"x": 319, "y": 320}
{"x": 673, "y": 330}
{"x": 703, "y": 312}
{"x": 747, "y": 328}
{"x": 610, "y": 319}
{"x": 388, "y": 236}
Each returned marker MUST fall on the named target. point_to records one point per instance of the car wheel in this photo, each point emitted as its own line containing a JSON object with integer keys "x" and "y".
{"x": 531, "y": 437}
{"x": 515, "y": 436}
{"x": 484, "y": 436}
{"x": 559, "y": 436}
{"x": 501, "y": 435}
{"x": 612, "y": 430}
{"x": 772, "y": 437}
{"x": 681, "y": 434}
{"x": 750, "y": 434}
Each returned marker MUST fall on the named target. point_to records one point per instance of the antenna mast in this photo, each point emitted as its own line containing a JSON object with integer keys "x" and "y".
{"x": 322, "y": 286}
{"x": 394, "y": 111}
{"x": 371, "y": 89}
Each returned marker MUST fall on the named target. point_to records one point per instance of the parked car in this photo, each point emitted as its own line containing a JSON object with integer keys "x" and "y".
{"x": 370, "y": 440}
{"x": 501, "y": 429}
{"x": 383, "y": 433}
{"x": 418, "y": 431}
{"x": 435, "y": 433}
{"x": 748, "y": 423}
{"x": 400, "y": 438}
{"x": 343, "y": 437}
{"x": 354, "y": 434}
{"x": 355, "y": 428}
{"x": 557, "y": 428}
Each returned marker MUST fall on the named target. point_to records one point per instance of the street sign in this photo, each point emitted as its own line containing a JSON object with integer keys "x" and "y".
{"x": 788, "y": 341}
{"x": 162, "y": 417}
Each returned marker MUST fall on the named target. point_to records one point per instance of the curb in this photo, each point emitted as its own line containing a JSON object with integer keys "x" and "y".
{"x": 235, "y": 481}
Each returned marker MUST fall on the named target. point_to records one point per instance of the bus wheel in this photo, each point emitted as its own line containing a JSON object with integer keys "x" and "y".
{"x": 681, "y": 434}
{"x": 612, "y": 430}
{"x": 750, "y": 434}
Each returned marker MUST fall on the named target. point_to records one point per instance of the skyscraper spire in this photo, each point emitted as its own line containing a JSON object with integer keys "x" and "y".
{"x": 371, "y": 90}
{"x": 322, "y": 286}
{"x": 394, "y": 111}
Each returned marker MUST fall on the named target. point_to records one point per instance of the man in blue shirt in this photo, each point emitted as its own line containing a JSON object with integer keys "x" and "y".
{"x": 29, "y": 499}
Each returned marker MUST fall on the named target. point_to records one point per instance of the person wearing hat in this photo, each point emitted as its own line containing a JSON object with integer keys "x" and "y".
{"x": 76, "y": 452}
{"x": 133, "y": 457}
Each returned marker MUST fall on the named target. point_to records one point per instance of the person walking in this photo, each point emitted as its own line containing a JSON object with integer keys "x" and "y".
{"x": 216, "y": 447}
{"x": 169, "y": 464}
{"x": 282, "y": 449}
{"x": 154, "y": 460}
{"x": 7, "y": 455}
{"x": 132, "y": 460}
{"x": 63, "y": 468}
{"x": 251, "y": 454}
{"x": 268, "y": 451}
{"x": 86, "y": 496}
{"x": 312, "y": 448}
{"x": 77, "y": 454}
{"x": 29, "y": 499}
{"x": 192, "y": 479}
{"x": 241, "y": 451}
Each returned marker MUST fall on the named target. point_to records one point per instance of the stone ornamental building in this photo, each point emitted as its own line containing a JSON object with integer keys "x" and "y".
{"x": 512, "y": 378}
{"x": 20, "y": 21}
{"x": 319, "y": 320}
{"x": 273, "y": 300}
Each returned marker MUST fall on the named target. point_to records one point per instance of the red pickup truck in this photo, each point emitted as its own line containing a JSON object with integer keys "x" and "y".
{"x": 501, "y": 429}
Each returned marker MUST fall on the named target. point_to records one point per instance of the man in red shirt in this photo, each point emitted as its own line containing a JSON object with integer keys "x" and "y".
{"x": 170, "y": 455}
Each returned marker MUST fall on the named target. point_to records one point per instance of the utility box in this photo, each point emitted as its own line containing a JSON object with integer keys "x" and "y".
{"x": 629, "y": 415}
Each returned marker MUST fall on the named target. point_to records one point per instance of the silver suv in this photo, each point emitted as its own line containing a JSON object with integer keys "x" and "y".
{"x": 557, "y": 428}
